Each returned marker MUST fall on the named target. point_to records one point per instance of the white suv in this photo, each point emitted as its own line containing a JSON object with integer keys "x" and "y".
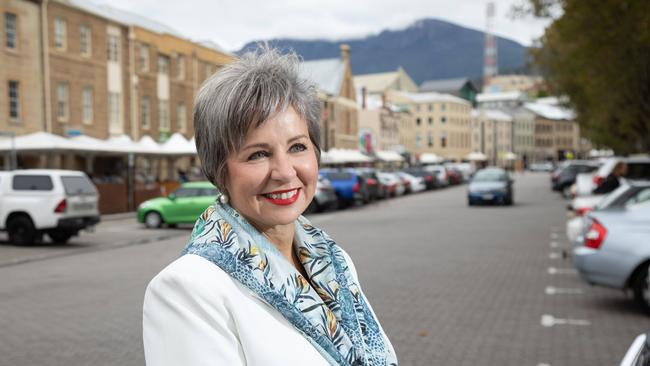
{"x": 56, "y": 202}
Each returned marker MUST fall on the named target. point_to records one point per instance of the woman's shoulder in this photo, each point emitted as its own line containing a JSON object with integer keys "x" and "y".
{"x": 193, "y": 274}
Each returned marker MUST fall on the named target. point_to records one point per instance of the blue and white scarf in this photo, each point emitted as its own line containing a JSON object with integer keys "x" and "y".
{"x": 328, "y": 308}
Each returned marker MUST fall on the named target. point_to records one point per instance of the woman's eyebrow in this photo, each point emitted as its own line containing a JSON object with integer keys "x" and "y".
{"x": 296, "y": 138}
{"x": 267, "y": 146}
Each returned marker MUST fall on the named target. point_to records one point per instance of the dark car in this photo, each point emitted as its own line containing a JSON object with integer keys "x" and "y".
{"x": 348, "y": 184}
{"x": 374, "y": 188}
{"x": 564, "y": 176}
{"x": 490, "y": 185}
{"x": 429, "y": 177}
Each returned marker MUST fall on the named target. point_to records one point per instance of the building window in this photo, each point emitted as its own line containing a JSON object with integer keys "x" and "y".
{"x": 85, "y": 39}
{"x": 207, "y": 69}
{"x": 443, "y": 139}
{"x": 11, "y": 30}
{"x": 430, "y": 107}
{"x": 163, "y": 64}
{"x": 443, "y": 106}
{"x": 87, "y": 105}
{"x": 180, "y": 67}
{"x": 14, "y": 100}
{"x": 418, "y": 140}
{"x": 443, "y": 119}
{"x": 113, "y": 47}
{"x": 145, "y": 113}
{"x": 163, "y": 115}
{"x": 60, "y": 33}
{"x": 417, "y": 107}
{"x": 430, "y": 142}
{"x": 430, "y": 121}
{"x": 114, "y": 110}
{"x": 181, "y": 116}
{"x": 417, "y": 121}
{"x": 144, "y": 58}
{"x": 62, "y": 101}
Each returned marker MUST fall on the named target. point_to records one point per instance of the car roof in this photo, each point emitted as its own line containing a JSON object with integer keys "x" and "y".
{"x": 202, "y": 184}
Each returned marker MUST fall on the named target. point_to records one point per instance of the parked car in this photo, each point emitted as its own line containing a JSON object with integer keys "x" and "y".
{"x": 615, "y": 250}
{"x": 429, "y": 178}
{"x": 565, "y": 176}
{"x": 629, "y": 193}
{"x": 184, "y": 205}
{"x": 59, "y": 203}
{"x": 441, "y": 174}
{"x": 584, "y": 185}
{"x": 393, "y": 182}
{"x": 324, "y": 198}
{"x": 492, "y": 185}
{"x": 349, "y": 185}
{"x": 638, "y": 168}
{"x": 415, "y": 184}
{"x": 375, "y": 189}
{"x": 639, "y": 352}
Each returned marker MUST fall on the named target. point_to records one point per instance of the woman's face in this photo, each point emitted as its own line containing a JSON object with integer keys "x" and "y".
{"x": 272, "y": 178}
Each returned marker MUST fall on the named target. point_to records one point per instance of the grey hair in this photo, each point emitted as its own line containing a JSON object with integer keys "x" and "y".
{"x": 244, "y": 94}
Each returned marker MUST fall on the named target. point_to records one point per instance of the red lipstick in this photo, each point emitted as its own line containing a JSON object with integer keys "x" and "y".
{"x": 282, "y": 201}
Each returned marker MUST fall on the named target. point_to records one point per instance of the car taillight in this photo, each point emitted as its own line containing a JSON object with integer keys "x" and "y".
{"x": 595, "y": 235}
{"x": 583, "y": 211}
{"x": 356, "y": 187}
{"x": 429, "y": 178}
{"x": 597, "y": 180}
{"x": 406, "y": 182}
{"x": 371, "y": 182}
{"x": 60, "y": 208}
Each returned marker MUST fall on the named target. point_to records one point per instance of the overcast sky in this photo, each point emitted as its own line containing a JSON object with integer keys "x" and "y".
{"x": 232, "y": 23}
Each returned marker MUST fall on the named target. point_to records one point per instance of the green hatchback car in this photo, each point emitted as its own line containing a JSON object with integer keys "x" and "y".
{"x": 184, "y": 205}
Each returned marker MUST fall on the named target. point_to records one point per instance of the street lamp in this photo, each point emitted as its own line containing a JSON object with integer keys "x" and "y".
{"x": 13, "y": 161}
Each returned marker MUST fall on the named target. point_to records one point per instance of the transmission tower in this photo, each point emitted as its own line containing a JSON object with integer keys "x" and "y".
{"x": 490, "y": 67}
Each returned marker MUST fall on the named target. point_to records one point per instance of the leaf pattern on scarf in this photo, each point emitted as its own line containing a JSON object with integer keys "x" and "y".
{"x": 328, "y": 306}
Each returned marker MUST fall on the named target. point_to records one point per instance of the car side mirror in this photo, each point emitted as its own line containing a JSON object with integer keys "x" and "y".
{"x": 171, "y": 196}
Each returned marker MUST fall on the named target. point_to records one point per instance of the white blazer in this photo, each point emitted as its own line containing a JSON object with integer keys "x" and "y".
{"x": 195, "y": 314}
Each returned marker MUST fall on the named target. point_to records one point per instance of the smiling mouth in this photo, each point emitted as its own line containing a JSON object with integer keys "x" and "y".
{"x": 282, "y": 198}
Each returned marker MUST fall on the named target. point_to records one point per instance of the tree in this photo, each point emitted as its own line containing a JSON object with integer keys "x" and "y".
{"x": 598, "y": 54}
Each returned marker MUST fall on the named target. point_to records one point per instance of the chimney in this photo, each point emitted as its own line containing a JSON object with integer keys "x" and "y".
{"x": 363, "y": 97}
{"x": 345, "y": 53}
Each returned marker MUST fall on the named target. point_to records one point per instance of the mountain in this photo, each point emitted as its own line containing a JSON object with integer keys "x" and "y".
{"x": 427, "y": 49}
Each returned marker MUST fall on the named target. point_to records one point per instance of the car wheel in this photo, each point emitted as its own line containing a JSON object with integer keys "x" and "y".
{"x": 641, "y": 287}
{"x": 60, "y": 236}
{"x": 152, "y": 220}
{"x": 22, "y": 231}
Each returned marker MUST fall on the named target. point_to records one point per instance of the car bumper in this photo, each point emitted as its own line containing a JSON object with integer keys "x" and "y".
{"x": 492, "y": 196}
{"x": 77, "y": 223}
{"x": 574, "y": 228}
{"x": 598, "y": 268}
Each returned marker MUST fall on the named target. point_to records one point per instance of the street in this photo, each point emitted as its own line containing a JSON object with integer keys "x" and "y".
{"x": 452, "y": 285}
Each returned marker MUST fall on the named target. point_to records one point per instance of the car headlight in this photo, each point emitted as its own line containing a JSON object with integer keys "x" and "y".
{"x": 143, "y": 205}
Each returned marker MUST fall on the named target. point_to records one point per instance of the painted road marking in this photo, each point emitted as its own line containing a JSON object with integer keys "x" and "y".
{"x": 543, "y": 364}
{"x": 553, "y": 271}
{"x": 554, "y": 244}
{"x": 554, "y": 255}
{"x": 550, "y": 290}
{"x": 550, "y": 320}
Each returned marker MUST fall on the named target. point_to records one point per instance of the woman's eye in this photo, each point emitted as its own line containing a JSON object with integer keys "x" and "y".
{"x": 257, "y": 155}
{"x": 298, "y": 148}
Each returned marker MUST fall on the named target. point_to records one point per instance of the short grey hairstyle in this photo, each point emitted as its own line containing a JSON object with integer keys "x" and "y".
{"x": 244, "y": 94}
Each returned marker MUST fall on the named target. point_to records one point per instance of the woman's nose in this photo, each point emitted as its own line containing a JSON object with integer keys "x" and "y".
{"x": 282, "y": 168}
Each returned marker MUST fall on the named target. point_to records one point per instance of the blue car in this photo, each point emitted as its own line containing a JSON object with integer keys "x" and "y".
{"x": 347, "y": 183}
{"x": 490, "y": 185}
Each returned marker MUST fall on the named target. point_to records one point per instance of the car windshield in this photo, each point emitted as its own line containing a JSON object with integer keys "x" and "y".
{"x": 339, "y": 176}
{"x": 78, "y": 185}
{"x": 490, "y": 176}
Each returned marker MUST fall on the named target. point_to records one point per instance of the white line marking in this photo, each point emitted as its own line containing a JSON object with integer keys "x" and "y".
{"x": 553, "y": 271}
{"x": 550, "y": 290}
{"x": 549, "y": 321}
{"x": 543, "y": 364}
{"x": 554, "y": 236}
{"x": 554, "y": 244}
{"x": 554, "y": 255}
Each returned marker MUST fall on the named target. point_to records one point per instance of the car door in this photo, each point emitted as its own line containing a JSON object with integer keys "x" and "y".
{"x": 182, "y": 205}
{"x": 206, "y": 197}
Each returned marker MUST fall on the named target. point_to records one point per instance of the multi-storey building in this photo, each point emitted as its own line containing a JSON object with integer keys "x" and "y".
{"x": 442, "y": 122}
{"x": 333, "y": 78}
{"x": 382, "y": 83}
{"x": 382, "y": 121}
{"x": 523, "y": 133}
{"x": 556, "y": 133}
{"x": 21, "y": 72}
{"x": 492, "y": 132}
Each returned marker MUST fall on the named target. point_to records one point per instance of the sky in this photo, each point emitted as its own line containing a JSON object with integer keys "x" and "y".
{"x": 233, "y": 23}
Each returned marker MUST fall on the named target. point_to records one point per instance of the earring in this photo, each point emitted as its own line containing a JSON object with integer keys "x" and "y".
{"x": 223, "y": 199}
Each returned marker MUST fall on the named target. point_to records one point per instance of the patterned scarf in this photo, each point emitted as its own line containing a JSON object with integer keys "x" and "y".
{"x": 328, "y": 308}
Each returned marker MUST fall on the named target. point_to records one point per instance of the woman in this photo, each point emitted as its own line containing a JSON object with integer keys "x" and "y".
{"x": 258, "y": 284}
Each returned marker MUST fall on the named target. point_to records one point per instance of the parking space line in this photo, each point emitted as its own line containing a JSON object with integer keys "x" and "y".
{"x": 554, "y": 255}
{"x": 549, "y": 321}
{"x": 550, "y": 290}
{"x": 543, "y": 364}
{"x": 567, "y": 271}
{"x": 554, "y": 244}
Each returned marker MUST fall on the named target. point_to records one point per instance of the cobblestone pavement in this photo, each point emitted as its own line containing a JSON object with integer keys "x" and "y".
{"x": 452, "y": 285}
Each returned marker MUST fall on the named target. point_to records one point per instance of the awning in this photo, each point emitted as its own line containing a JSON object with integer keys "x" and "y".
{"x": 343, "y": 156}
{"x": 476, "y": 156}
{"x": 390, "y": 156}
{"x": 430, "y": 158}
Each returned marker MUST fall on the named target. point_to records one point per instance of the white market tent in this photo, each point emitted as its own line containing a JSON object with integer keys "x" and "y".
{"x": 430, "y": 158}
{"x": 476, "y": 156}
{"x": 344, "y": 156}
{"x": 390, "y": 156}
{"x": 510, "y": 156}
{"x": 42, "y": 141}
{"x": 179, "y": 145}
